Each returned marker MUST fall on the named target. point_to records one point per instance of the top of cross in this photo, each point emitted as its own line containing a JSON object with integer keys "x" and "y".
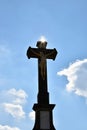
{"x": 42, "y": 43}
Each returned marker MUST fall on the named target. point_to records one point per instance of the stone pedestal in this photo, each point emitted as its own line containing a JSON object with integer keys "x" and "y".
{"x": 43, "y": 117}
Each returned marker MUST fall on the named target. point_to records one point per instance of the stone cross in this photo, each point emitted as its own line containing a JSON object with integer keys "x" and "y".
{"x": 42, "y": 54}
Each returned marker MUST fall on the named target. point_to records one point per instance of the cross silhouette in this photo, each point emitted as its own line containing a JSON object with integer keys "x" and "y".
{"x": 42, "y": 54}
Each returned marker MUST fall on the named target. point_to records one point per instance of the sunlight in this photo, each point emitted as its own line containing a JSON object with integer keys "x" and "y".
{"x": 42, "y": 39}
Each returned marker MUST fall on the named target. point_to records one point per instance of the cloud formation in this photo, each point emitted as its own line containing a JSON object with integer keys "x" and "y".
{"x": 15, "y": 110}
{"x": 32, "y": 115}
{"x": 6, "y": 127}
{"x": 19, "y": 96}
{"x": 76, "y": 75}
{"x": 13, "y": 101}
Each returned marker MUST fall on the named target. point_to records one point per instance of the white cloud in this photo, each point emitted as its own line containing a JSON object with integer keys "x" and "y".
{"x": 13, "y": 101}
{"x": 32, "y": 115}
{"x": 6, "y": 127}
{"x": 15, "y": 110}
{"x": 18, "y": 95}
{"x": 76, "y": 75}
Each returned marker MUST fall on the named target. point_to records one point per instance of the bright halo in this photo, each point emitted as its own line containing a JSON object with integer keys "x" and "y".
{"x": 42, "y": 39}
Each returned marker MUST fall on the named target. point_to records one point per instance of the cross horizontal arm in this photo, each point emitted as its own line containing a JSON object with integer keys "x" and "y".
{"x": 51, "y": 53}
{"x": 33, "y": 53}
{"x": 37, "y": 53}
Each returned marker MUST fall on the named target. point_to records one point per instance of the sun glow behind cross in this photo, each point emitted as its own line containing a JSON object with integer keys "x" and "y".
{"x": 42, "y": 43}
{"x": 42, "y": 39}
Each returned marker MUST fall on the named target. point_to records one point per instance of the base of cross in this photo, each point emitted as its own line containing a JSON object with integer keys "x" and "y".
{"x": 43, "y": 117}
{"x": 43, "y": 98}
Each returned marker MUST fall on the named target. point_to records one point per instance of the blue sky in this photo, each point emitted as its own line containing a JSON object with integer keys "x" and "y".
{"x": 64, "y": 24}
